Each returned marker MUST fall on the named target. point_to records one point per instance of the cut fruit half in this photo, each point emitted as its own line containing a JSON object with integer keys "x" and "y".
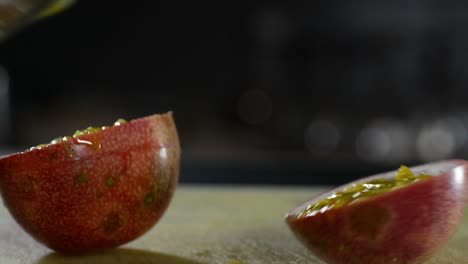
{"x": 399, "y": 224}
{"x": 96, "y": 190}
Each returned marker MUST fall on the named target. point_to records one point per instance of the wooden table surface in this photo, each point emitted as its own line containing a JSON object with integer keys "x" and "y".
{"x": 208, "y": 224}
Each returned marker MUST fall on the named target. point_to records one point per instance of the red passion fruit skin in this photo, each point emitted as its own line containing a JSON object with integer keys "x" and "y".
{"x": 96, "y": 191}
{"x": 406, "y": 225}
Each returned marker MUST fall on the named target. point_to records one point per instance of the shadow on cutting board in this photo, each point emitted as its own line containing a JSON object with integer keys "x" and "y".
{"x": 117, "y": 256}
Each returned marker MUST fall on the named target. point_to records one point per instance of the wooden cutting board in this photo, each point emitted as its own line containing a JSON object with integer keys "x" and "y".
{"x": 207, "y": 224}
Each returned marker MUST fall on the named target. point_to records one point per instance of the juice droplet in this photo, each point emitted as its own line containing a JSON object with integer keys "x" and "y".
{"x": 39, "y": 147}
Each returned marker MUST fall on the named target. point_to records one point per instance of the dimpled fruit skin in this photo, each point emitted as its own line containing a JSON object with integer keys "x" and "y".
{"x": 97, "y": 191}
{"x": 407, "y": 225}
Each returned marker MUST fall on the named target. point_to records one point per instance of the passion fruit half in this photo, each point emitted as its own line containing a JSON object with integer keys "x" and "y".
{"x": 403, "y": 216}
{"x": 99, "y": 189}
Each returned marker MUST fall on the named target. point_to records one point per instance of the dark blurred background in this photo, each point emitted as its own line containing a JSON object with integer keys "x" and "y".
{"x": 297, "y": 92}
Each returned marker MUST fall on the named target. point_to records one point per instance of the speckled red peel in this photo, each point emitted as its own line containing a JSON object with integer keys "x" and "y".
{"x": 97, "y": 191}
{"x": 407, "y": 225}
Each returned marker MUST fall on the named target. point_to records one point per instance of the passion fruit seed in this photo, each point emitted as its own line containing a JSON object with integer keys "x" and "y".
{"x": 78, "y": 133}
{"x": 364, "y": 190}
{"x": 39, "y": 146}
{"x": 120, "y": 121}
{"x": 89, "y": 130}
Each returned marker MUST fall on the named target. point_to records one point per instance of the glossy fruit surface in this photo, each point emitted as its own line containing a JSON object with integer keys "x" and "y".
{"x": 95, "y": 191}
{"x": 404, "y": 225}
